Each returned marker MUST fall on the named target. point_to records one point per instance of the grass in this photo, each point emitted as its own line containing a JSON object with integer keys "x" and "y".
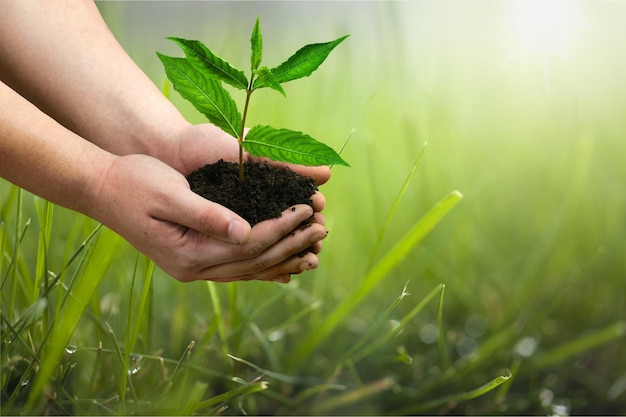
{"x": 507, "y": 301}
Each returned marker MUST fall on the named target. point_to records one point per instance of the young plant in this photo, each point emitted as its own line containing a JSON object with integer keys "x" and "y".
{"x": 199, "y": 77}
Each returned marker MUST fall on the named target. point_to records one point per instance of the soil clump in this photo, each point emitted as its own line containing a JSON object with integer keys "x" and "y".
{"x": 265, "y": 192}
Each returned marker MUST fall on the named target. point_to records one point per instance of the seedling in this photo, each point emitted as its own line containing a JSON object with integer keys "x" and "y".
{"x": 199, "y": 78}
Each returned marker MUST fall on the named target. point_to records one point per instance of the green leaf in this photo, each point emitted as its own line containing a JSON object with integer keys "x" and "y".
{"x": 205, "y": 93}
{"x": 289, "y": 146}
{"x": 256, "y": 44}
{"x": 269, "y": 79}
{"x": 210, "y": 64}
{"x": 302, "y": 64}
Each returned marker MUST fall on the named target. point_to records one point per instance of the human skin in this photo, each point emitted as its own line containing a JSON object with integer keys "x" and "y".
{"x": 82, "y": 126}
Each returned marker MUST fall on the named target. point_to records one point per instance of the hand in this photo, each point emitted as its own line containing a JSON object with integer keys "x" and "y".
{"x": 150, "y": 205}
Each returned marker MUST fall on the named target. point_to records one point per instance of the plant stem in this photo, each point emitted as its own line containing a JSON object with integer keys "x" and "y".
{"x": 243, "y": 126}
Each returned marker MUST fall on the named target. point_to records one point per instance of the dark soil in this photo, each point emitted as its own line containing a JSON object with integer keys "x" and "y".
{"x": 264, "y": 194}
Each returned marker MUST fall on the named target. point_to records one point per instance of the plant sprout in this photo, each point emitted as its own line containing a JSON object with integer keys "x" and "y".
{"x": 199, "y": 78}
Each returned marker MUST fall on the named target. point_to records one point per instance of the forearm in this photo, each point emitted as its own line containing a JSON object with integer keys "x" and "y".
{"x": 38, "y": 154}
{"x": 63, "y": 58}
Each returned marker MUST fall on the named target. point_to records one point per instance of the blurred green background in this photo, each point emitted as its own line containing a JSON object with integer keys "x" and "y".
{"x": 523, "y": 108}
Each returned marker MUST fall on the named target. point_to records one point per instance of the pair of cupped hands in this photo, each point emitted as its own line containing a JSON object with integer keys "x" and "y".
{"x": 149, "y": 203}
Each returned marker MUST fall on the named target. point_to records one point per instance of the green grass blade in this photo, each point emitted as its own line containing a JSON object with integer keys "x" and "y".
{"x": 344, "y": 144}
{"x": 181, "y": 366}
{"x": 124, "y": 380}
{"x": 354, "y": 396}
{"x": 11, "y": 274}
{"x": 140, "y": 314}
{"x": 366, "y": 338}
{"x": 219, "y": 317}
{"x": 100, "y": 256}
{"x": 405, "y": 320}
{"x": 441, "y": 339}
{"x": 377, "y": 274}
{"x": 579, "y": 345}
{"x": 44, "y": 213}
{"x": 275, "y": 375}
{"x": 233, "y": 394}
{"x": 194, "y": 399}
{"x": 456, "y": 398}
{"x": 394, "y": 206}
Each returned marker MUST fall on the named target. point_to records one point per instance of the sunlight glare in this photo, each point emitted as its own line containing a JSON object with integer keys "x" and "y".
{"x": 544, "y": 27}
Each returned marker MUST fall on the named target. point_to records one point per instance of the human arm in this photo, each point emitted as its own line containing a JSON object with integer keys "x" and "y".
{"x": 74, "y": 69}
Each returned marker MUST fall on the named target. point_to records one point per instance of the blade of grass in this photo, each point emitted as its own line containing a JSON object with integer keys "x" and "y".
{"x": 317, "y": 390}
{"x": 29, "y": 317}
{"x": 45, "y": 211}
{"x": 94, "y": 370}
{"x": 178, "y": 363}
{"x": 506, "y": 386}
{"x": 269, "y": 350}
{"x": 344, "y": 144}
{"x": 394, "y": 206}
{"x": 85, "y": 244}
{"x": 219, "y": 317}
{"x": 350, "y": 354}
{"x": 11, "y": 274}
{"x": 125, "y": 376}
{"x": 194, "y": 399}
{"x": 455, "y": 398}
{"x": 235, "y": 315}
{"x": 233, "y": 394}
{"x": 393, "y": 257}
{"x": 99, "y": 257}
{"x": 441, "y": 339}
{"x": 136, "y": 318}
{"x": 579, "y": 345}
{"x": 374, "y": 345}
{"x": 41, "y": 266}
{"x": 496, "y": 343}
{"x": 182, "y": 362}
{"x": 356, "y": 395}
{"x": 278, "y": 376}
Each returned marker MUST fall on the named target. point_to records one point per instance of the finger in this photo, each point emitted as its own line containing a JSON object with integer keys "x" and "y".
{"x": 292, "y": 266}
{"x": 195, "y": 212}
{"x": 281, "y": 272}
{"x": 264, "y": 266}
{"x": 282, "y": 279}
{"x": 318, "y": 218}
{"x": 262, "y": 236}
{"x": 267, "y": 233}
{"x": 319, "y": 201}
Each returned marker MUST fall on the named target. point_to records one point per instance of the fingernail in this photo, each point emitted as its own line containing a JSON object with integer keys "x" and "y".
{"x": 238, "y": 231}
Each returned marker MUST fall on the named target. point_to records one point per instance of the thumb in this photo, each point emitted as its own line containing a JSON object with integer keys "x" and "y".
{"x": 209, "y": 218}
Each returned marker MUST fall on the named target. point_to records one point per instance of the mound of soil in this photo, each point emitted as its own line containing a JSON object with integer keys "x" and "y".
{"x": 264, "y": 194}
